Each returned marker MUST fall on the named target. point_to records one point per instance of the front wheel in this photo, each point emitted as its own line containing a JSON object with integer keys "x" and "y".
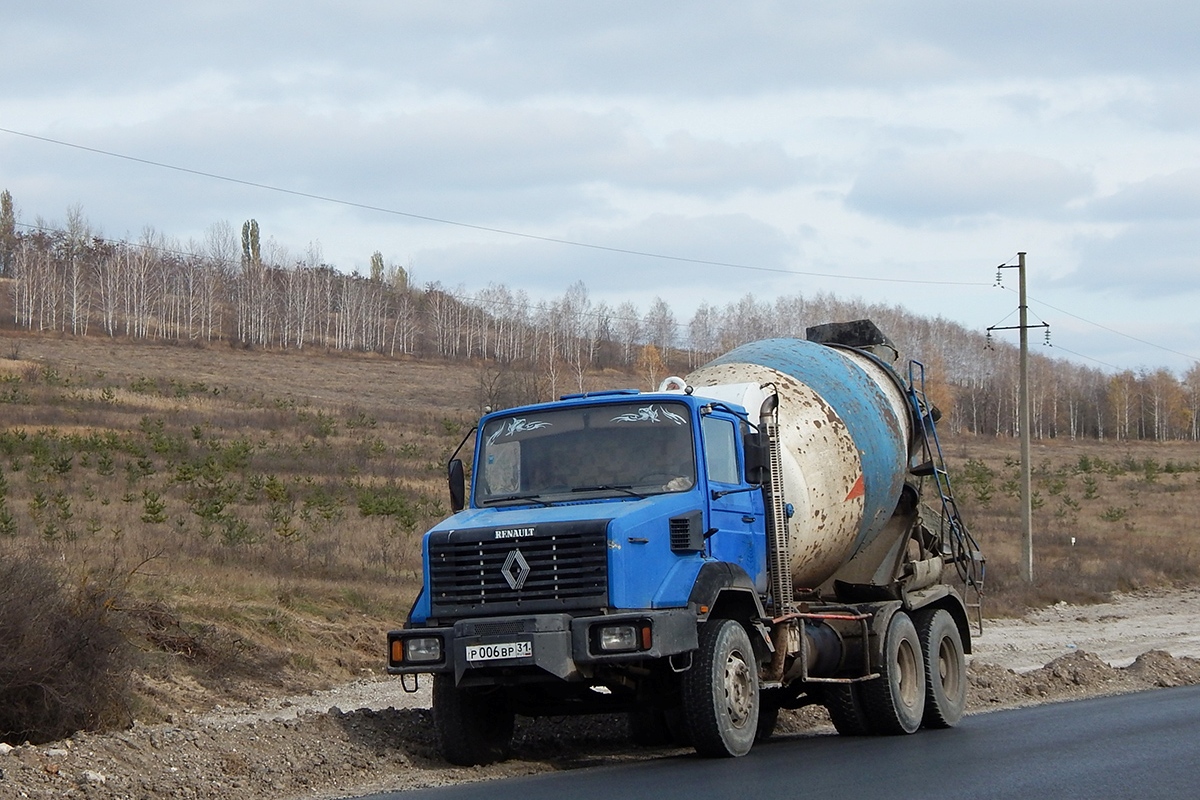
{"x": 474, "y": 726}
{"x": 720, "y": 692}
{"x": 895, "y": 701}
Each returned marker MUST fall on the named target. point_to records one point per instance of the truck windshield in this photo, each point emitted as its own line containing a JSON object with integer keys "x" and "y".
{"x": 622, "y": 449}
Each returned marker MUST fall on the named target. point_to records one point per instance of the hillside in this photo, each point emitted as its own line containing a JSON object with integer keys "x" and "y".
{"x": 258, "y": 514}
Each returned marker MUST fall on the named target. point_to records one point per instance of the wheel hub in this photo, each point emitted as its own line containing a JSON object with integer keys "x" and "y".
{"x": 739, "y": 688}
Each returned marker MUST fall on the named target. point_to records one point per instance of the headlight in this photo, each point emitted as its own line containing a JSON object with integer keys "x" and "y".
{"x": 422, "y": 650}
{"x": 618, "y": 638}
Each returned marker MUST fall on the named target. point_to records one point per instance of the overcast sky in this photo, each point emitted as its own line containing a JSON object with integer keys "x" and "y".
{"x": 894, "y": 151}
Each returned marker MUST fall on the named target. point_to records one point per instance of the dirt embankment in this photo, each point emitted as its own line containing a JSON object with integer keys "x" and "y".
{"x": 369, "y": 735}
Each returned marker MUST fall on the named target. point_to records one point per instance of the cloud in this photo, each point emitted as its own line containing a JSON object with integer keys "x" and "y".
{"x": 915, "y": 189}
{"x": 674, "y": 49}
{"x": 1158, "y": 259}
{"x": 1175, "y": 196}
{"x": 510, "y": 166}
{"x": 613, "y": 267}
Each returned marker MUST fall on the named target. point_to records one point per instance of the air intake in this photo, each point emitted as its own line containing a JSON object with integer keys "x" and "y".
{"x": 687, "y": 532}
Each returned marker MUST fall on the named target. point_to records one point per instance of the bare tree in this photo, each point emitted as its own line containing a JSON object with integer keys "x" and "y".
{"x": 106, "y": 280}
{"x": 221, "y": 250}
{"x": 628, "y": 325}
{"x": 77, "y": 237}
{"x": 702, "y": 334}
{"x": 661, "y": 328}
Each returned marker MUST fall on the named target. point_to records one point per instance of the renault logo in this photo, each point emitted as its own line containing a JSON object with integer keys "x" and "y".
{"x": 515, "y": 570}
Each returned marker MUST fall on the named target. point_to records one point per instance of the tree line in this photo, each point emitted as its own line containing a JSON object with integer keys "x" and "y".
{"x": 241, "y": 290}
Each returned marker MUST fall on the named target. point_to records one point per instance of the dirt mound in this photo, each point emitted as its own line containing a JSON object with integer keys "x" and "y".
{"x": 1159, "y": 668}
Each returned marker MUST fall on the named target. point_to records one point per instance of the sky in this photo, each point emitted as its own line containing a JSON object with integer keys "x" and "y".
{"x": 699, "y": 151}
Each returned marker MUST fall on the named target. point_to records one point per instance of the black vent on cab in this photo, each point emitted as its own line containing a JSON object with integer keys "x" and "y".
{"x": 687, "y": 532}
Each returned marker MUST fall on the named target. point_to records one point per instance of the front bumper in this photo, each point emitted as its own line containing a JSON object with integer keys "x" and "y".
{"x": 560, "y": 645}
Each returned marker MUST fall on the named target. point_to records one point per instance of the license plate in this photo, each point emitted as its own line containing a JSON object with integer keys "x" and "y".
{"x": 495, "y": 652}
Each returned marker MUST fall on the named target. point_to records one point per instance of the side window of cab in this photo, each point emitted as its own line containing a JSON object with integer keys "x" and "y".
{"x": 720, "y": 450}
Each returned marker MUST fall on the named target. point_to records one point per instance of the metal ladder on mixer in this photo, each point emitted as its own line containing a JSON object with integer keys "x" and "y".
{"x": 958, "y": 545}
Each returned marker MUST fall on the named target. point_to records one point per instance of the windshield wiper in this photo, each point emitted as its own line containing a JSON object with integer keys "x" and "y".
{"x": 608, "y": 487}
{"x": 516, "y": 498}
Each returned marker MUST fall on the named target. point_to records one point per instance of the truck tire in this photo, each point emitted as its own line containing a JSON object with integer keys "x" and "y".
{"x": 474, "y": 725}
{"x": 895, "y": 701}
{"x": 846, "y": 710}
{"x": 945, "y": 668}
{"x": 769, "y": 704}
{"x": 720, "y": 692}
{"x": 677, "y": 725}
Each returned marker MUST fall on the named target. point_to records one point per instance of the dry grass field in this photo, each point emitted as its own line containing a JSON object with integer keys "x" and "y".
{"x": 1108, "y": 516}
{"x": 259, "y": 514}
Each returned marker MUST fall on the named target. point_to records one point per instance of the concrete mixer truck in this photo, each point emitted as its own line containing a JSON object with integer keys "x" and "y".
{"x": 775, "y": 529}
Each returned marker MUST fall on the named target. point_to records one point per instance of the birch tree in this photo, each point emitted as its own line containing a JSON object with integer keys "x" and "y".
{"x": 661, "y": 329}
{"x": 628, "y": 325}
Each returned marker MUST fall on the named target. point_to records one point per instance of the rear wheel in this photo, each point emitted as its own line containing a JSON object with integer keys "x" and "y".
{"x": 474, "y": 725}
{"x": 846, "y": 709}
{"x": 895, "y": 701}
{"x": 945, "y": 668}
{"x": 720, "y": 691}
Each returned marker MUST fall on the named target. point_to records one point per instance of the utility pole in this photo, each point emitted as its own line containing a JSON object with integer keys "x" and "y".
{"x": 1023, "y": 418}
{"x": 1023, "y": 421}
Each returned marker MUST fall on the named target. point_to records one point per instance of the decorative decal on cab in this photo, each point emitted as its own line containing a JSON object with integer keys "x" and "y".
{"x": 651, "y": 414}
{"x": 518, "y": 425}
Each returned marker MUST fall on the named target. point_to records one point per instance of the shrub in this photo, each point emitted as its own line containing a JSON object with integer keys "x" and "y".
{"x": 64, "y": 661}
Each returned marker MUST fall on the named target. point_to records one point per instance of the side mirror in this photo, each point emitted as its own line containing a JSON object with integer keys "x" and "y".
{"x": 758, "y": 457}
{"x": 457, "y": 476}
{"x": 458, "y": 484}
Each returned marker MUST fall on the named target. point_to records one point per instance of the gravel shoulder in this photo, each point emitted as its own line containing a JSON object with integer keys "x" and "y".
{"x": 370, "y": 735}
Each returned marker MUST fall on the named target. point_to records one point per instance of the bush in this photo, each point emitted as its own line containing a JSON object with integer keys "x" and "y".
{"x": 64, "y": 661}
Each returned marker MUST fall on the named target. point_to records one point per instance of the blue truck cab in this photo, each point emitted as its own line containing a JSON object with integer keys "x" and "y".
{"x": 599, "y": 530}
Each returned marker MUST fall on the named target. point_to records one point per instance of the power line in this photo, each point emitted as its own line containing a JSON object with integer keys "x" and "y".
{"x": 153, "y": 248}
{"x": 1081, "y": 355}
{"x": 566, "y": 242}
{"x": 484, "y": 228}
{"x": 1131, "y": 337}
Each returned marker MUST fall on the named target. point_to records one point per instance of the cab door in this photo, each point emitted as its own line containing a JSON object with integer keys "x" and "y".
{"x": 736, "y": 508}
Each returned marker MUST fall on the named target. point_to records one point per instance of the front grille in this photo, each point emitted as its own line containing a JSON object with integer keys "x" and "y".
{"x": 560, "y": 566}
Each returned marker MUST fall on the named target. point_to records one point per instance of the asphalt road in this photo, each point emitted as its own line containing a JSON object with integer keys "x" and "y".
{"x": 1144, "y": 746}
